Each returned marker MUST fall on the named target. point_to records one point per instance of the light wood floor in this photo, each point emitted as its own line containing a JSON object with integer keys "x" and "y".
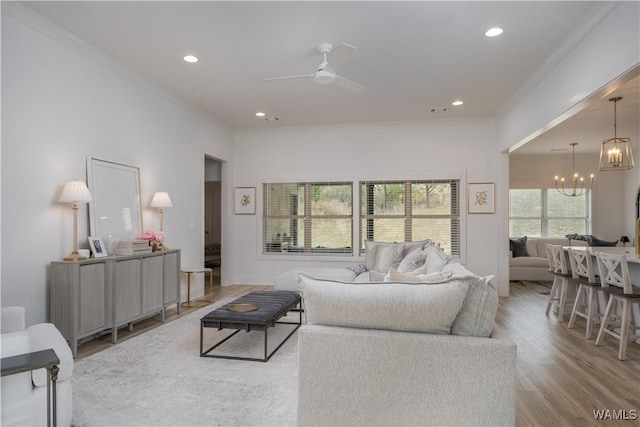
{"x": 561, "y": 377}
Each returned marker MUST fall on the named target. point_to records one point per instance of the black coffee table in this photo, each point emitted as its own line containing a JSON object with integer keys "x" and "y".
{"x": 271, "y": 306}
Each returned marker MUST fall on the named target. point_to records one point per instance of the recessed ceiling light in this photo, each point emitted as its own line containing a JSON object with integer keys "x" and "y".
{"x": 260, "y": 114}
{"x": 493, "y": 32}
{"x": 456, "y": 103}
{"x": 190, "y": 58}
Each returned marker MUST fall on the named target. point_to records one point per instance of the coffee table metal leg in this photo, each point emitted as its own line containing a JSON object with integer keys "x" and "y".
{"x": 265, "y": 343}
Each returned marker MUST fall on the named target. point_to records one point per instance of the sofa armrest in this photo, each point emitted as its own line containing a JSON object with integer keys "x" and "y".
{"x": 44, "y": 336}
{"x": 13, "y": 319}
{"x": 350, "y": 376}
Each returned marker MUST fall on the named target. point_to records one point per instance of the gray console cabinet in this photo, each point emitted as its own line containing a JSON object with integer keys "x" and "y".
{"x": 99, "y": 295}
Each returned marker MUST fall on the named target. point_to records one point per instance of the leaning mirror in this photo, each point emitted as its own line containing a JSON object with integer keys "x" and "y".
{"x": 116, "y": 208}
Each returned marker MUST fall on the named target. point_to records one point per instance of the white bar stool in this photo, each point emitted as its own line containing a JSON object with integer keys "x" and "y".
{"x": 586, "y": 304}
{"x": 614, "y": 276}
{"x": 558, "y": 266}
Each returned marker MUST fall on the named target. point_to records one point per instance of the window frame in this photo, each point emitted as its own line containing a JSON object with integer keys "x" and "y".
{"x": 355, "y": 255}
{"x": 544, "y": 209}
{"x": 307, "y": 221}
{"x": 408, "y": 216}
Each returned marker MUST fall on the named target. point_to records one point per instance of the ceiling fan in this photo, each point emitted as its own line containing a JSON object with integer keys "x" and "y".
{"x": 326, "y": 71}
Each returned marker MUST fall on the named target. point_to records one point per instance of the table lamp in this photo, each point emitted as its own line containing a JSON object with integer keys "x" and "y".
{"x": 161, "y": 200}
{"x": 75, "y": 192}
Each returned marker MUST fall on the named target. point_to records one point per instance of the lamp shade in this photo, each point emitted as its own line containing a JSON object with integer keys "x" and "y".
{"x": 161, "y": 200}
{"x": 75, "y": 191}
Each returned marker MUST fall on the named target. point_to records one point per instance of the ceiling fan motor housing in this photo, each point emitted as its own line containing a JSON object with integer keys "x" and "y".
{"x": 325, "y": 76}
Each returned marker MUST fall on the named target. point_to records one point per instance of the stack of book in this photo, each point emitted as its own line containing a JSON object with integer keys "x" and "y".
{"x": 133, "y": 247}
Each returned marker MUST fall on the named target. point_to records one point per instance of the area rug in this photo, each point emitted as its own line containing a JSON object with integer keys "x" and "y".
{"x": 539, "y": 287}
{"x": 159, "y": 379}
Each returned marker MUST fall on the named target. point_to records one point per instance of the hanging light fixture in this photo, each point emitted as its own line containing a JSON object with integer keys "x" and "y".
{"x": 615, "y": 153}
{"x": 577, "y": 182}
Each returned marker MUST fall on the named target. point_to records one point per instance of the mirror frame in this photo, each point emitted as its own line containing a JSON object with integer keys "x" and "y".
{"x": 117, "y": 206}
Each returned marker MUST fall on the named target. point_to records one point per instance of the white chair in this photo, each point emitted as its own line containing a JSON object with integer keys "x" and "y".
{"x": 24, "y": 395}
{"x": 614, "y": 276}
{"x": 586, "y": 304}
{"x": 562, "y": 277}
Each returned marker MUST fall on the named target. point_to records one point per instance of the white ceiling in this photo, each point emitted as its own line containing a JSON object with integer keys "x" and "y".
{"x": 411, "y": 56}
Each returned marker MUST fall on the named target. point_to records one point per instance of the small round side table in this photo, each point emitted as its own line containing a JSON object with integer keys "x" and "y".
{"x": 189, "y": 272}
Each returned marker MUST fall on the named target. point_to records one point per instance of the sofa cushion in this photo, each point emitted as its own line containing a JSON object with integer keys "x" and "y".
{"x": 437, "y": 277}
{"x": 387, "y": 306}
{"x": 529, "y": 261}
{"x": 288, "y": 281}
{"x": 518, "y": 246}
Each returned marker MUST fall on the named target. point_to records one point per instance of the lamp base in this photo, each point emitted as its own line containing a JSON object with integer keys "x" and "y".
{"x": 75, "y": 256}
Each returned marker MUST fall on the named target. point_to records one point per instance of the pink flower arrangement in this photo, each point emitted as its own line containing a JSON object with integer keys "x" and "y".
{"x": 153, "y": 236}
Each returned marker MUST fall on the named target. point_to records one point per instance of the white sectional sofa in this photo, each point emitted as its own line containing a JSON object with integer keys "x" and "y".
{"x": 24, "y": 395}
{"x": 416, "y": 349}
{"x": 534, "y": 265}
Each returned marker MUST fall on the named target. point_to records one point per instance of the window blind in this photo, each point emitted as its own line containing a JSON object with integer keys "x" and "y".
{"x": 410, "y": 210}
{"x": 308, "y": 217}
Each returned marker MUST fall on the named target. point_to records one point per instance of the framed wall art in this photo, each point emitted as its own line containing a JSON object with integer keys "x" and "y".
{"x": 481, "y": 198}
{"x": 244, "y": 200}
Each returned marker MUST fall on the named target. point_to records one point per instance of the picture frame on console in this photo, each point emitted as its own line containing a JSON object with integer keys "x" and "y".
{"x": 481, "y": 198}
{"x": 98, "y": 248}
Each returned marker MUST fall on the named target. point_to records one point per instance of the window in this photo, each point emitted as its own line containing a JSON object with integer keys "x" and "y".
{"x": 308, "y": 217}
{"x": 402, "y": 211}
{"x": 542, "y": 212}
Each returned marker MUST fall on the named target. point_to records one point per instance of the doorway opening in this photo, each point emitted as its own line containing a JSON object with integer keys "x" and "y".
{"x": 213, "y": 219}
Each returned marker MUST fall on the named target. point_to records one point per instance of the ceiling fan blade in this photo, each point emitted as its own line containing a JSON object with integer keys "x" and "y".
{"x": 339, "y": 55}
{"x": 289, "y": 77}
{"x": 349, "y": 85}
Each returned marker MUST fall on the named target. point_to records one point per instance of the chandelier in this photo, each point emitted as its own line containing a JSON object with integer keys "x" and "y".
{"x": 615, "y": 153}
{"x": 577, "y": 182}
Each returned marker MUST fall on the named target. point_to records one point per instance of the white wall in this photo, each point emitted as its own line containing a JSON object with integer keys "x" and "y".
{"x": 608, "y": 51}
{"x": 62, "y": 103}
{"x": 631, "y": 190}
{"x": 362, "y": 151}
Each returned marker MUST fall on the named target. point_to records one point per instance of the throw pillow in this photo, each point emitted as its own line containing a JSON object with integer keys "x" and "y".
{"x": 380, "y": 256}
{"x": 358, "y": 268}
{"x": 518, "y": 247}
{"x": 436, "y": 260}
{"x": 387, "y": 306}
{"x": 438, "y": 277}
{"x": 409, "y": 247}
{"x": 594, "y": 241}
{"x": 478, "y": 313}
{"x": 412, "y": 261}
